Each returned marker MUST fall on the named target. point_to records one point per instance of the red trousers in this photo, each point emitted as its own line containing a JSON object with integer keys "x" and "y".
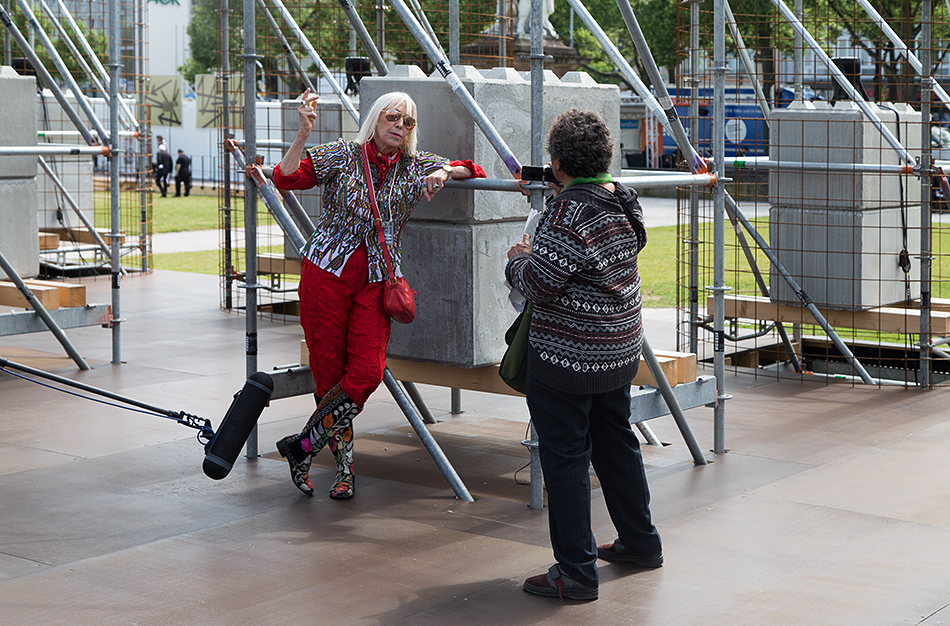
{"x": 345, "y": 327}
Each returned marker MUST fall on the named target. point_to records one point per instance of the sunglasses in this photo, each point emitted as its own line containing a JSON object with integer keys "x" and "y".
{"x": 392, "y": 115}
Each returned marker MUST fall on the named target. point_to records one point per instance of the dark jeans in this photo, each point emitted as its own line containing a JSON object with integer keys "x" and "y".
{"x": 162, "y": 183}
{"x": 573, "y": 432}
{"x": 183, "y": 178}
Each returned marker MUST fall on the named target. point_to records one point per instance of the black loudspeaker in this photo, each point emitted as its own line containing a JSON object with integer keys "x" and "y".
{"x": 237, "y": 424}
{"x": 356, "y": 69}
{"x": 851, "y": 68}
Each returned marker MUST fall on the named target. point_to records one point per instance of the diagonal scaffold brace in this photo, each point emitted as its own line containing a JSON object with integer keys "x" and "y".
{"x": 272, "y": 200}
{"x": 736, "y": 215}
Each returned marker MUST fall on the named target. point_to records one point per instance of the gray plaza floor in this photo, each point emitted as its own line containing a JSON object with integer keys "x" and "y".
{"x": 831, "y": 506}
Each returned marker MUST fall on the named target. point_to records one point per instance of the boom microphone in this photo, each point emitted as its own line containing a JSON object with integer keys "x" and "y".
{"x": 240, "y": 419}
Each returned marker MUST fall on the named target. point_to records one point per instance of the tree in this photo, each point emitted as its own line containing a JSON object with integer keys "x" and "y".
{"x": 202, "y": 30}
{"x": 657, "y": 20}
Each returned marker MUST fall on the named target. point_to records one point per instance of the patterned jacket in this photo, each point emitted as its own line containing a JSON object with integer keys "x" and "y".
{"x": 581, "y": 275}
{"x": 347, "y": 219}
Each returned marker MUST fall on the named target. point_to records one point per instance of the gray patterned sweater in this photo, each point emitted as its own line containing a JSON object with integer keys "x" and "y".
{"x": 582, "y": 277}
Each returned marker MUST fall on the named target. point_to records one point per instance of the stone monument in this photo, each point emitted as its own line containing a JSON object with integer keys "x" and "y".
{"x": 562, "y": 59}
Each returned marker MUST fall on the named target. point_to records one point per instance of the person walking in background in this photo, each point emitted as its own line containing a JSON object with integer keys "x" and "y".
{"x": 182, "y": 173}
{"x": 163, "y": 168}
{"x": 344, "y": 264}
{"x": 583, "y": 351}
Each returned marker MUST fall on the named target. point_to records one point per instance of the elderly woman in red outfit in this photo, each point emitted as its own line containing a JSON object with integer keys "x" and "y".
{"x": 341, "y": 280}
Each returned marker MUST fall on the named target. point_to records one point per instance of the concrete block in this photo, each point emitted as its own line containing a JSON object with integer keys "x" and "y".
{"x": 75, "y": 173}
{"x": 446, "y": 128}
{"x": 843, "y": 259}
{"x": 819, "y": 132}
{"x": 462, "y": 309}
{"x": 19, "y": 236}
{"x": 17, "y": 122}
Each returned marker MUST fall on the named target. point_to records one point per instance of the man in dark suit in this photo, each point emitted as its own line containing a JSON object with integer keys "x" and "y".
{"x": 182, "y": 173}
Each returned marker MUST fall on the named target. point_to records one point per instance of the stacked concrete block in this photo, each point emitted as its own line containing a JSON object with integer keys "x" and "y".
{"x": 455, "y": 247}
{"x": 75, "y": 173}
{"x": 840, "y": 235}
{"x": 843, "y": 259}
{"x": 19, "y": 235}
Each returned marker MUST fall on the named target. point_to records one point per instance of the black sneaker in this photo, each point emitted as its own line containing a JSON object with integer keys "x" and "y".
{"x": 555, "y": 584}
{"x": 616, "y": 553}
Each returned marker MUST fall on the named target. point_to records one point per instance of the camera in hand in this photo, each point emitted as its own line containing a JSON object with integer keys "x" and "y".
{"x": 538, "y": 173}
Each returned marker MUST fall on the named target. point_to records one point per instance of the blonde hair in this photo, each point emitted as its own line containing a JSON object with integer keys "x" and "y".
{"x": 388, "y": 101}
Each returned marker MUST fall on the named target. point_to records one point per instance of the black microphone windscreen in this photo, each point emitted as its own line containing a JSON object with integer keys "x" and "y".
{"x": 237, "y": 425}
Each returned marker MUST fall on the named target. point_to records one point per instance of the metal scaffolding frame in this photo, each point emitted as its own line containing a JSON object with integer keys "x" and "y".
{"x": 99, "y": 142}
{"x": 292, "y": 229}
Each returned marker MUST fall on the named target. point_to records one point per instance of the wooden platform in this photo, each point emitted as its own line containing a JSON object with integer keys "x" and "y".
{"x": 272, "y": 263}
{"x": 10, "y": 296}
{"x": 81, "y": 235}
{"x": 905, "y": 321}
{"x": 677, "y": 367}
{"x": 51, "y": 294}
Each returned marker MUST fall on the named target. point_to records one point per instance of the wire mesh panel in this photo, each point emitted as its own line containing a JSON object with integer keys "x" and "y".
{"x": 74, "y": 193}
{"x": 289, "y": 61}
{"x": 829, "y": 185}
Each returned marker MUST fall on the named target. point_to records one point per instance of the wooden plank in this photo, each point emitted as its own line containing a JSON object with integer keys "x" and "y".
{"x": 937, "y": 304}
{"x": 11, "y": 296}
{"x": 883, "y": 319}
{"x": 685, "y": 363}
{"x": 70, "y": 294}
{"x": 669, "y": 367}
{"x": 81, "y": 235}
{"x": 49, "y": 241}
{"x": 281, "y": 308}
{"x": 269, "y": 263}
{"x": 485, "y": 378}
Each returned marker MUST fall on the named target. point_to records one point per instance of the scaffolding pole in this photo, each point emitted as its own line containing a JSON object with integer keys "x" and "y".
{"x": 42, "y": 313}
{"x": 444, "y": 68}
{"x": 288, "y": 51}
{"x": 114, "y": 165}
{"x": 927, "y": 85}
{"x": 44, "y": 74}
{"x": 693, "y": 241}
{"x": 75, "y": 207}
{"x": 364, "y": 36}
{"x": 302, "y": 38}
{"x": 63, "y": 70}
{"x": 719, "y": 225}
{"x": 747, "y": 63}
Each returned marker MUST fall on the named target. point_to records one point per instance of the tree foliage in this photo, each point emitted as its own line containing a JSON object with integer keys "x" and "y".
{"x": 98, "y": 41}
{"x": 202, "y": 32}
{"x": 657, "y": 20}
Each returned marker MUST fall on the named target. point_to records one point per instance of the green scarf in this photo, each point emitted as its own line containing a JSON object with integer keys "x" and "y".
{"x": 600, "y": 179}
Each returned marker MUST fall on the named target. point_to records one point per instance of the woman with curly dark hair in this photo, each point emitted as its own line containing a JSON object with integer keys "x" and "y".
{"x": 583, "y": 351}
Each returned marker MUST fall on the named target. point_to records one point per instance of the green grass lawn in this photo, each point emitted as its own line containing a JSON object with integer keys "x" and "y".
{"x": 201, "y": 262}
{"x": 173, "y": 215}
{"x": 658, "y": 261}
